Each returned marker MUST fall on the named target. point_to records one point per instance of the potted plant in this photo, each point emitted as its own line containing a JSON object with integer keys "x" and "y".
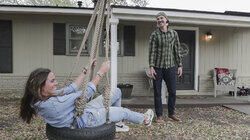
{"x": 126, "y": 90}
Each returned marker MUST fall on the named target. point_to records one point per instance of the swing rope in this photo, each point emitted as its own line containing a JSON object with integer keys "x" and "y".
{"x": 80, "y": 102}
{"x": 107, "y": 92}
{"x": 91, "y": 22}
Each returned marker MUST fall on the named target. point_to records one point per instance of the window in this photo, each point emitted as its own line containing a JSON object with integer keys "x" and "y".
{"x": 59, "y": 39}
{"x": 129, "y": 41}
{"x": 74, "y": 37}
{"x": 102, "y": 49}
{"x": 126, "y": 40}
{"x": 6, "y": 46}
{"x": 68, "y": 39}
{"x": 120, "y": 40}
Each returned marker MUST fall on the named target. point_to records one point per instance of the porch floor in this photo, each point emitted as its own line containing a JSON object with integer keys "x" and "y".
{"x": 202, "y": 101}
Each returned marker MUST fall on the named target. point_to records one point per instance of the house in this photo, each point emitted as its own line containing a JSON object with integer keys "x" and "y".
{"x": 38, "y": 36}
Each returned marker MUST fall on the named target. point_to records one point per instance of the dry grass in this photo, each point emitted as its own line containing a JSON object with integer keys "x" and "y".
{"x": 198, "y": 123}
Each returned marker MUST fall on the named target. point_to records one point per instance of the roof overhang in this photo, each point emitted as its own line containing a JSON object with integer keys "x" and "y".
{"x": 46, "y": 10}
{"x": 140, "y": 14}
{"x": 182, "y": 17}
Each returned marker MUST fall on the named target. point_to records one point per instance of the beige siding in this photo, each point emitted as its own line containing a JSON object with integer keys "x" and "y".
{"x": 33, "y": 43}
{"x": 132, "y": 69}
{"x": 32, "y": 39}
{"x": 228, "y": 49}
{"x": 138, "y": 63}
{"x": 64, "y": 64}
{"x": 33, "y": 47}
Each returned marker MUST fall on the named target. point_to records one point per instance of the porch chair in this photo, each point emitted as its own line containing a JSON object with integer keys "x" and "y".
{"x": 229, "y": 87}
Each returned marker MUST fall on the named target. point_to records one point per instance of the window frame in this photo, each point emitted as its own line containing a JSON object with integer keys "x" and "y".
{"x": 120, "y": 40}
{"x": 69, "y": 52}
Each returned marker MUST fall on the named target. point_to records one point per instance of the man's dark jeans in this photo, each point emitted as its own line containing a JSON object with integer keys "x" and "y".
{"x": 168, "y": 75}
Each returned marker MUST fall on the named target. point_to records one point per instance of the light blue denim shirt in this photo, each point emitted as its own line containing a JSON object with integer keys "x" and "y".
{"x": 59, "y": 111}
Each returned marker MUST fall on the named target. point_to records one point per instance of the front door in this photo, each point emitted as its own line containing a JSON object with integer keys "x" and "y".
{"x": 187, "y": 40}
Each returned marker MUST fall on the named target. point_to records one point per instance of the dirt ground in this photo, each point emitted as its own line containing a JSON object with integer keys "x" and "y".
{"x": 198, "y": 123}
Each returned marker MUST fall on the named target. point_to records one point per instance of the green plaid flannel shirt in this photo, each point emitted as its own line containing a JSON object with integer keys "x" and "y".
{"x": 164, "y": 49}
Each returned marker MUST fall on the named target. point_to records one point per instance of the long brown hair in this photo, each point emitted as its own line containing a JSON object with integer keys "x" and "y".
{"x": 32, "y": 93}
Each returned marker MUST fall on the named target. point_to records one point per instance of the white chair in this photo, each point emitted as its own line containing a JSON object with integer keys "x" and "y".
{"x": 163, "y": 87}
{"x": 226, "y": 87}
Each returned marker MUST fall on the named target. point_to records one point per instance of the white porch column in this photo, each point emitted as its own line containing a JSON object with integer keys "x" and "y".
{"x": 114, "y": 48}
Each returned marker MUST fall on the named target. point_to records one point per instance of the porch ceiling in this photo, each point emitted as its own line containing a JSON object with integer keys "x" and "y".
{"x": 182, "y": 17}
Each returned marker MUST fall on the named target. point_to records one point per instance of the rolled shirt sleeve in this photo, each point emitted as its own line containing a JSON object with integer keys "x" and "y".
{"x": 152, "y": 45}
{"x": 72, "y": 88}
{"x": 177, "y": 54}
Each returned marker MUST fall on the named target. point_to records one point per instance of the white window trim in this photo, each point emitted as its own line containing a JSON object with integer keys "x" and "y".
{"x": 68, "y": 53}
{"x": 121, "y": 41}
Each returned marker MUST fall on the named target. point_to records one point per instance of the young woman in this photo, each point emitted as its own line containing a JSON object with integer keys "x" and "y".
{"x": 42, "y": 97}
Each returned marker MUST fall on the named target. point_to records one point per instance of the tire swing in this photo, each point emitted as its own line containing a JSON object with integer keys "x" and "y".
{"x": 103, "y": 132}
{"x": 107, "y": 130}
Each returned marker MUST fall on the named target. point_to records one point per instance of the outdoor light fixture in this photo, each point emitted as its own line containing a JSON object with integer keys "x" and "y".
{"x": 79, "y": 3}
{"x": 208, "y": 36}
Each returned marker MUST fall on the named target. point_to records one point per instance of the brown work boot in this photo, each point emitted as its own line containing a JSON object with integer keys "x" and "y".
{"x": 159, "y": 120}
{"x": 173, "y": 117}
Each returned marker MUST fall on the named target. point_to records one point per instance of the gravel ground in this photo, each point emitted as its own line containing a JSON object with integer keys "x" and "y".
{"x": 198, "y": 123}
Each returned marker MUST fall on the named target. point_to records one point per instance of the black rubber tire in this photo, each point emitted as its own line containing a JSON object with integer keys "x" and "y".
{"x": 103, "y": 132}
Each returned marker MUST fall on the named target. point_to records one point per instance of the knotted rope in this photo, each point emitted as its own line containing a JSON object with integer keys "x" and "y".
{"x": 81, "y": 101}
